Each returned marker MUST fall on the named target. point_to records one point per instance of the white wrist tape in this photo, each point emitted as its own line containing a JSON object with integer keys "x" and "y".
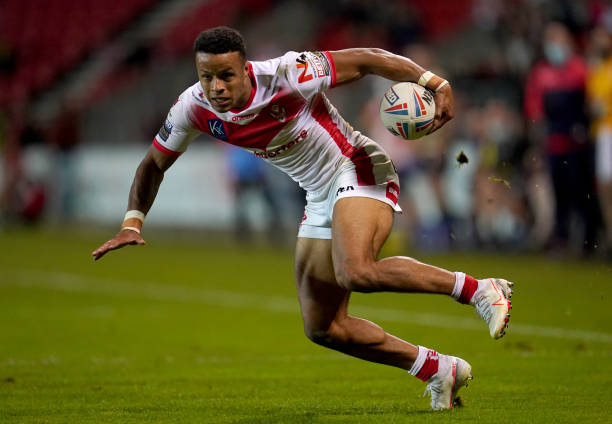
{"x": 131, "y": 228}
{"x": 424, "y": 79}
{"x": 441, "y": 85}
{"x": 134, "y": 214}
{"x": 428, "y": 75}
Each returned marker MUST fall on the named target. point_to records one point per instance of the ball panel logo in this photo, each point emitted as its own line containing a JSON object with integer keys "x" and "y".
{"x": 419, "y": 107}
{"x": 391, "y": 96}
{"x": 401, "y": 109}
{"x": 428, "y": 97}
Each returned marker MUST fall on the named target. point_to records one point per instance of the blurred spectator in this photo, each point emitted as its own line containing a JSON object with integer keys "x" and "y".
{"x": 487, "y": 49}
{"x": 459, "y": 177}
{"x": 23, "y": 195}
{"x": 500, "y": 208}
{"x": 249, "y": 179}
{"x": 483, "y": 197}
{"x": 599, "y": 89}
{"x": 539, "y": 197}
{"x": 64, "y": 135}
{"x": 555, "y": 100}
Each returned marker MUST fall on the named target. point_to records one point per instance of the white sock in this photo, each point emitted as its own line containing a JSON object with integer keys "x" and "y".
{"x": 419, "y": 361}
{"x": 459, "y": 281}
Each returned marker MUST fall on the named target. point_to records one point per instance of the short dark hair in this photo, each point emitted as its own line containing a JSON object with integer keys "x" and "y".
{"x": 220, "y": 40}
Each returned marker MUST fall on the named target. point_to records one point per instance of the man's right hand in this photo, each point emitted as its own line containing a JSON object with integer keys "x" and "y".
{"x": 123, "y": 238}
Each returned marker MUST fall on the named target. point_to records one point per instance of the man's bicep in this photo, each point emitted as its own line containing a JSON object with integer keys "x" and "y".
{"x": 353, "y": 64}
{"x": 177, "y": 130}
{"x": 162, "y": 160}
{"x": 348, "y": 65}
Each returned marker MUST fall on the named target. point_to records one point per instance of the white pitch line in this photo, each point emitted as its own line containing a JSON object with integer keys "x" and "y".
{"x": 164, "y": 292}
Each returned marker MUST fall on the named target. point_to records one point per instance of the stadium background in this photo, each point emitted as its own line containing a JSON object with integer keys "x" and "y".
{"x": 84, "y": 87}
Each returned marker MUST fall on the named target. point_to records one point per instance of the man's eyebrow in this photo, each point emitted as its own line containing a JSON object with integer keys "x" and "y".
{"x": 204, "y": 71}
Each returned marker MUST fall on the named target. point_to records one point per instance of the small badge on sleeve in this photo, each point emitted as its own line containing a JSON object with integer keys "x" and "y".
{"x": 320, "y": 64}
{"x": 165, "y": 130}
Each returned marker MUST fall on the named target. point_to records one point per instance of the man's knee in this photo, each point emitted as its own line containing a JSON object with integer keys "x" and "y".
{"x": 332, "y": 336}
{"x": 358, "y": 277}
{"x": 345, "y": 332}
{"x": 322, "y": 337}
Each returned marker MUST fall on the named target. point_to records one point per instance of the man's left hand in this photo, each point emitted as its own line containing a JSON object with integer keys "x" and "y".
{"x": 444, "y": 107}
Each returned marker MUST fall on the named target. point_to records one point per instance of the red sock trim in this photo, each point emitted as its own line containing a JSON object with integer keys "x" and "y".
{"x": 469, "y": 287}
{"x": 430, "y": 366}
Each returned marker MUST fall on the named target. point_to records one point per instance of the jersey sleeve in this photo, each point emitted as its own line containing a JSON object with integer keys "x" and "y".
{"x": 177, "y": 132}
{"x": 309, "y": 73}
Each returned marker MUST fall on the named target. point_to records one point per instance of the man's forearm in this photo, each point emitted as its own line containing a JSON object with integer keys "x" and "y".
{"x": 390, "y": 66}
{"x": 149, "y": 176}
{"x": 145, "y": 185}
{"x": 353, "y": 64}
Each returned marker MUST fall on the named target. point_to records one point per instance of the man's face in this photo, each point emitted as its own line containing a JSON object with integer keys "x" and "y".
{"x": 225, "y": 79}
{"x": 557, "y": 44}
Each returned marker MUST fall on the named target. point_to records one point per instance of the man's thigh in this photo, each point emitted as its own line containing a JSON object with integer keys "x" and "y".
{"x": 321, "y": 299}
{"x": 360, "y": 226}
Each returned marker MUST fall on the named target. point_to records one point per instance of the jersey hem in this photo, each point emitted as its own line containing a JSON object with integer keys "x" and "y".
{"x": 164, "y": 150}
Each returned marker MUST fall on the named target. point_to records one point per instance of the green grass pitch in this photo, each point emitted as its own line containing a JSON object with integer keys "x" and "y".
{"x": 186, "y": 332}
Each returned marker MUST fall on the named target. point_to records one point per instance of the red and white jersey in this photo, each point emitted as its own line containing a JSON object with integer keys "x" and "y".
{"x": 287, "y": 121}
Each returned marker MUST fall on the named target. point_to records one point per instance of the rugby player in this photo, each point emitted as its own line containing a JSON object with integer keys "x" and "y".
{"x": 276, "y": 109}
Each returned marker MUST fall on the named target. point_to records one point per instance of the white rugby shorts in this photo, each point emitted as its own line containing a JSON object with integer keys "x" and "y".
{"x": 317, "y": 220}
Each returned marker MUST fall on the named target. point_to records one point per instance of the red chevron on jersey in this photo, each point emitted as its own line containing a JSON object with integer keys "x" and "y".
{"x": 281, "y": 109}
{"x": 357, "y": 155}
{"x": 288, "y": 124}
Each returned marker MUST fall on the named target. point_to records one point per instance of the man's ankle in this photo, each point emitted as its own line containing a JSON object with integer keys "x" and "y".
{"x": 465, "y": 287}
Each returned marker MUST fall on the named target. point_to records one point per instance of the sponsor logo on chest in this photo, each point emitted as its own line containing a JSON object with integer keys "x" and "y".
{"x": 279, "y": 150}
{"x": 217, "y": 129}
{"x": 238, "y": 118}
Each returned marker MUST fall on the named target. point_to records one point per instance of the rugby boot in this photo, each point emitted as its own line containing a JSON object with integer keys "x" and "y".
{"x": 492, "y": 303}
{"x": 453, "y": 373}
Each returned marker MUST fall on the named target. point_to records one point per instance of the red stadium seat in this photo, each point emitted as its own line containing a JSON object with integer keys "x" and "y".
{"x": 51, "y": 37}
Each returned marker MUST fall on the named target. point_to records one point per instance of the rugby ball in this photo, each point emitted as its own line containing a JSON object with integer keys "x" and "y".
{"x": 407, "y": 110}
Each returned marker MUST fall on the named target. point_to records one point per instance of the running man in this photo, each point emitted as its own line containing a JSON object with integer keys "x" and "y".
{"x": 276, "y": 109}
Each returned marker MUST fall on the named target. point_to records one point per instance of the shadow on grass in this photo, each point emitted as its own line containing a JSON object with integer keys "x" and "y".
{"x": 388, "y": 414}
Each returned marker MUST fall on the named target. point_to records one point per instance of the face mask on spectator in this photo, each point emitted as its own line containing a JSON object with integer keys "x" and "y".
{"x": 557, "y": 54}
